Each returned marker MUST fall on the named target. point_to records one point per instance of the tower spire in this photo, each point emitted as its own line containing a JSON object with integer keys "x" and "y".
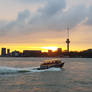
{"x": 68, "y": 32}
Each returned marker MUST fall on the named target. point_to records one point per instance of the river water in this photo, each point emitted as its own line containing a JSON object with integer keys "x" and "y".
{"x": 20, "y": 75}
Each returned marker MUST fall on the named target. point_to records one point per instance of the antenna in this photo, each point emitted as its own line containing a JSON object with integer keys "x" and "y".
{"x": 68, "y": 32}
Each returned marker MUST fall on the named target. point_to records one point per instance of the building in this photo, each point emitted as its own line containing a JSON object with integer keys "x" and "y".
{"x": 50, "y": 53}
{"x": 15, "y": 54}
{"x": 8, "y": 52}
{"x": 3, "y": 52}
{"x": 59, "y": 50}
{"x": 32, "y": 53}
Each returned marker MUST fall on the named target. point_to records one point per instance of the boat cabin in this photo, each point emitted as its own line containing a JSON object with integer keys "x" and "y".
{"x": 51, "y": 62}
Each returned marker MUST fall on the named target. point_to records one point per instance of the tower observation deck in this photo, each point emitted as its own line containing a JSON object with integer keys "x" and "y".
{"x": 67, "y": 41}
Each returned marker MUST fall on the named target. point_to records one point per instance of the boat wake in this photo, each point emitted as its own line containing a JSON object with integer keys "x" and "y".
{"x": 11, "y": 70}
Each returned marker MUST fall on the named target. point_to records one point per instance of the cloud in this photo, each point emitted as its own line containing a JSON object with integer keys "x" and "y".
{"x": 51, "y": 17}
{"x": 21, "y": 20}
{"x": 22, "y": 16}
{"x": 74, "y": 16}
{"x": 52, "y": 7}
{"x": 46, "y": 15}
{"x": 31, "y": 1}
{"x": 15, "y": 25}
{"x": 89, "y": 16}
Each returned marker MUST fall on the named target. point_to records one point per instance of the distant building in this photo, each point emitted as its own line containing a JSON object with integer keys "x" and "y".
{"x": 15, "y": 53}
{"x": 32, "y": 53}
{"x": 50, "y": 53}
{"x": 89, "y": 50}
{"x": 3, "y": 52}
{"x": 8, "y": 52}
{"x": 59, "y": 50}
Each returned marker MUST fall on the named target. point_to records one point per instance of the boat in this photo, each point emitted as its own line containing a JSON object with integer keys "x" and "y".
{"x": 51, "y": 63}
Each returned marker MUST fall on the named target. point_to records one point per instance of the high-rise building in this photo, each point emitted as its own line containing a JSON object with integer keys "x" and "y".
{"x": 68, "y": 41}
{"x": 8, "y": 51}
{"x": 3, "y": 52}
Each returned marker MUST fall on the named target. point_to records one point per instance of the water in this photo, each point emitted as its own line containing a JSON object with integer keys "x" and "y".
{"x": 20, "y": 75}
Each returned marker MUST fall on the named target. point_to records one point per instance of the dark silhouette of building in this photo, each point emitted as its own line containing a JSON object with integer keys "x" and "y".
{"x": 8, "y": 52}
{"x": 68, "y": 41}
{"x": 32, "y": 53}
{"x": 59, "y": 52}
{"x": 15, "y": 54}
{"x": 50, "y": 53}
{"x": 44, "y": 54}
{"x": 86, "y": 53}
{"x": 3, "y": 52}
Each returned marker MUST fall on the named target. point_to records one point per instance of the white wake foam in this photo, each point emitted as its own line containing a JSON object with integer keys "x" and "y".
{"x": 9, "y": 70}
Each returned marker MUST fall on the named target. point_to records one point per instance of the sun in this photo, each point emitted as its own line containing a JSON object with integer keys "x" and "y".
{"x": 50, "y": 48}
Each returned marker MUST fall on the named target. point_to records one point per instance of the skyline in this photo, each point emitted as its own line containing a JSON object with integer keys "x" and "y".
{"x": 34, "y": 24}
{"x": 52, "y": 52}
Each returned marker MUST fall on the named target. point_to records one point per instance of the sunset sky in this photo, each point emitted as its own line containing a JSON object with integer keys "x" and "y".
{"x": 36, "y": 24}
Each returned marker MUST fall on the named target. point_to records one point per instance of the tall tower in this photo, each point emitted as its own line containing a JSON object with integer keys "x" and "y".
{"x": 67, "y": 41}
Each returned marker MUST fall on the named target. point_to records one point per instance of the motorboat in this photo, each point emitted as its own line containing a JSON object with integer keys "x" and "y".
{"x": 51, "y": 63}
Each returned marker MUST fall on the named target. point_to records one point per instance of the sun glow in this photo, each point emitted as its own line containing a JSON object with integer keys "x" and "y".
{"x": 50, "y": 48}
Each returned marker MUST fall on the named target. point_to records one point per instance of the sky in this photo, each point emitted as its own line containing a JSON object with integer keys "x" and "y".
{"x": 35, "y": 24}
